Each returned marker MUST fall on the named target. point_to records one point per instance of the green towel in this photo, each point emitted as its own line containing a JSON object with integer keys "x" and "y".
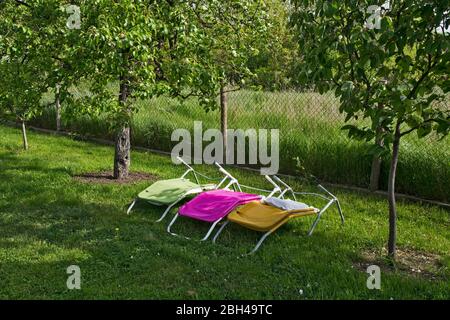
{"x": 166, "y": 192}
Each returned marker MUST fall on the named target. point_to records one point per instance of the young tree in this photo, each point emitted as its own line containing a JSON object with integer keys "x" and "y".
{"x": 125, "y": 43}
{"x": 122, "y": 43}
{"x": 387, "y": 65}
{"x": 63, "y": 23}
{"x": 234, "y": 32}
{"x": 150, "y": 48}
{"x": 24, "y": 60}
{"x": 20, "y": 92}
{"x": 38, "y": 34}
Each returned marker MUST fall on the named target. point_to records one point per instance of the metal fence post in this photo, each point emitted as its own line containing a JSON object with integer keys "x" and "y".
{"x": 224, "y": 120}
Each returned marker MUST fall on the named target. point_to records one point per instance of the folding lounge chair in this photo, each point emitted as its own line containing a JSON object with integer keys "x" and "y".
{"x": 213, "y": 206}
{"x": 269, "y": 215}
{"x": 170, "y": 192}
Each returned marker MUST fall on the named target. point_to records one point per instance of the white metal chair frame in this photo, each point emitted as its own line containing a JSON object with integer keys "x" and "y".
{"x": 233, "y": 182}
{"x": 332, "y": 199}
{"x": 183, "y": 196}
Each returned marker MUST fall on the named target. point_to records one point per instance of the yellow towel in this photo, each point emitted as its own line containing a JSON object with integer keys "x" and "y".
{"x": 262, "y": 217}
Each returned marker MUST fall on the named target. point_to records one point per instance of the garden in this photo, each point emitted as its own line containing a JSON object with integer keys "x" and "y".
{"x": 94, "y": 96}
{"x": 53, "y": 217}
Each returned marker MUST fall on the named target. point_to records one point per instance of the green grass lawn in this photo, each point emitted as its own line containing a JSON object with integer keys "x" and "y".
{"x": 49, "y": 221}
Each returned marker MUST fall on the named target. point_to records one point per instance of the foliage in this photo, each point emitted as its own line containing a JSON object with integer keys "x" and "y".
{"x": 23, "y": 62}
{"x": 165, "y": 49}
{"x": 34, "y": 53}
{"x": 396, "y": 74}
{"x": 390, "y": 67}
{"x": 276, "y": 64}
{"x": 231, "y": 33}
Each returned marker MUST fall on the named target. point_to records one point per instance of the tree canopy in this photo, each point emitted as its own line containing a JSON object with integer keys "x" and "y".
{"x": 393, "y": 73}
{"x": 27, "y": 56}
{"x": 171, "y": 47}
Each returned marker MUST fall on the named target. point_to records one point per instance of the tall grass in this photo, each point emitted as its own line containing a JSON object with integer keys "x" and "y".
{"x": 309, "y": 125}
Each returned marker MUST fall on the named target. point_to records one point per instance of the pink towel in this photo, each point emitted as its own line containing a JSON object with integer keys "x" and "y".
{"x": 212, "y": 205}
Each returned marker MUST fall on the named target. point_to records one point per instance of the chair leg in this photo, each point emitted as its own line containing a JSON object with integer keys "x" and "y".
{"x": 319, "y": 216}
{"x": 220, "y": 231}
{"x": 167, "y": 211}
{"x": 264, "y": 237}
{"x": 211, "y": 230}
{"x": 131, "y": 206}
{"x": 340, "y": 211}
{"x": 310, "y": 232}
{"x": 171, "y": 224}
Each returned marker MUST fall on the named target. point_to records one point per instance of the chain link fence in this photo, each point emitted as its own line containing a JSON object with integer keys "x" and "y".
{"x": 311, "y": 139}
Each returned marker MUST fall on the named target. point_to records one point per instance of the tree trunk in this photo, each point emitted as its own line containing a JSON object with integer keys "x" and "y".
{"x": 376, "y": 166}
{"x": 224, "y": 120}
{"x": 122, "y": 144}
{"x": 376, "y": 160}
{"x": 24, "y": 135}
{"x": 122, "y": 153}
{"x": 58, "y": 108}
{"x": 391, "y": 194}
